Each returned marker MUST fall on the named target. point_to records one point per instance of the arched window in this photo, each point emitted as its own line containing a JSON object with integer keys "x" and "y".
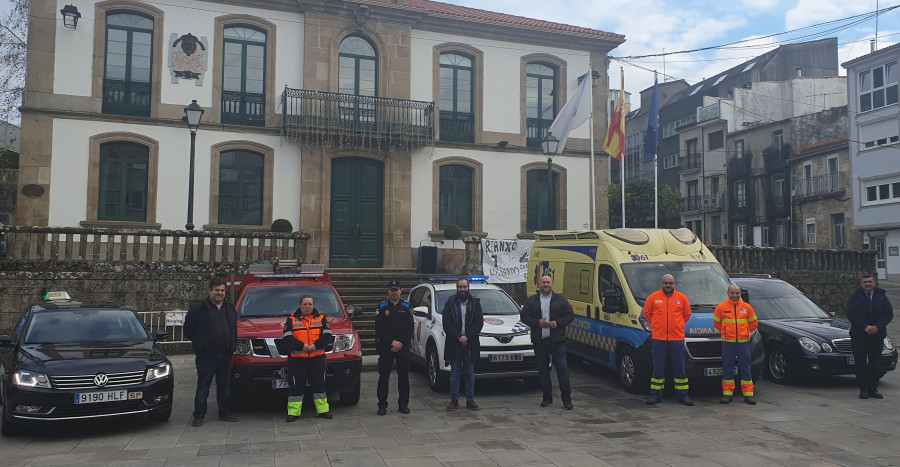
{"x": 540, "y": 101}
{"x": 241, "y": 181}
{"x": 244, "y": 76}
{"x": 457, "y": 119}
{"x": 357, "y": 76}
{"x": 122, "y": 190}
{"x": 128, "y": 64}
{"x": 455, "y": 202}
{"x": 541, "y": 212}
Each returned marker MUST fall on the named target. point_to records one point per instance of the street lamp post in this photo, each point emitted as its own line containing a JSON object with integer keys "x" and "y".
{"x": 550, "y": 145}
{"x": 192, "y": 114}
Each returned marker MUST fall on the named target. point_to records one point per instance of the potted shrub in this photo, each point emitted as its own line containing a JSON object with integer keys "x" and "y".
{"x": 282, "y": 225}
{"x": 453, "y": 232}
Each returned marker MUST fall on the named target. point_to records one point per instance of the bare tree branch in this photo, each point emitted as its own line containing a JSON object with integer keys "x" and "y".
{"x": 13, "y": 50}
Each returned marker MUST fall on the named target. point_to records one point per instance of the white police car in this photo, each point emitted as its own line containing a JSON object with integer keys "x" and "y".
{"x": 506, "y": 350}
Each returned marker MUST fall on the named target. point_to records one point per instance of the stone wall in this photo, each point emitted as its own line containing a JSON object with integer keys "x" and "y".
{"x": 141, "y": 285}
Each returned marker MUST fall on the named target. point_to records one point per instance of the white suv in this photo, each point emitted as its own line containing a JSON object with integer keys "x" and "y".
{"x": 506, "y": 350}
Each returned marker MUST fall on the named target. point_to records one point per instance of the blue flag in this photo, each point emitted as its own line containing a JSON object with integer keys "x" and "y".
{"x": 651, "y": 140}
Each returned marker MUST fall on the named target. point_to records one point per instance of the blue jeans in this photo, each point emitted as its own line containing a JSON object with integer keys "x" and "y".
{"x": 463, "y": 366}
{"x": 209, "y": 366}
{"x": 543, "y": 352}
{"x": 673, "y": 353}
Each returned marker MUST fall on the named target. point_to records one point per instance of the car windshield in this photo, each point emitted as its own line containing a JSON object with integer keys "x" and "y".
{"x": 282, "y": 301}
{"x": 780, "y": 300}
{"x": 85, "y": 326}
{"x": 704, "y": 284}
{"x": 493, "y": 301}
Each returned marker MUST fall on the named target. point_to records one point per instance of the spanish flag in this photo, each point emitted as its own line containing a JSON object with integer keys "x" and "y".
{"x": 614, "y": 145}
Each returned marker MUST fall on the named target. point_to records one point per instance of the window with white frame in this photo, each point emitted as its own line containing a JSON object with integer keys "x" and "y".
{"x": 670, "y": 161}
{"x": 878, "y": 87}
{"x": 837, "y": 227}
{"x": 881, "y": 191}
{"x": 765, "y": 236}
{"x": 740, "y": 234}
{"x": 810, "y": 230}
{"x": 880, "y": 133}
{"x": 777, "y": 139}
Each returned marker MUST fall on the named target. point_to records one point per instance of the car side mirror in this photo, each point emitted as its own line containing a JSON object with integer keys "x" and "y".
{"x": 830, "y": 313}
{"x": 745, "y": 295}
{"x": 613, "y": 302}
{"x": 354, "y": 310}
{"x": 161, "y": 335}
{"x": 421, "y": 311}
{"x": 5, "y": 341}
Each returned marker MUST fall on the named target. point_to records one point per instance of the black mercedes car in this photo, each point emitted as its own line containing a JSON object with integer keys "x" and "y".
{"x": 67, "y": 360}
{"x": 801, "y": 339}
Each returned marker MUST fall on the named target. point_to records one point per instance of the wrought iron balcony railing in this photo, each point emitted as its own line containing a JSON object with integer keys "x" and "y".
{"x": 691, "y": 162}
{"x": 457, "y": 127}
{"x": 243, "y": 108}
{"x": 346, "y": 120}
{"x": 535, "y": 131}
{"x": 691, "y": 203}
{"x": 819, "y": 185}
{"x": 713, "y": 202}
{"x": 126, "y": 98}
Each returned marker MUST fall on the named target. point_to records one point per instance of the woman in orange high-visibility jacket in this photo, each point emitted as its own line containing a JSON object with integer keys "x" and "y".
{"x": 667, "y": 310}
{"x": 736, "y": 320}
{"x": 307, "y": 334}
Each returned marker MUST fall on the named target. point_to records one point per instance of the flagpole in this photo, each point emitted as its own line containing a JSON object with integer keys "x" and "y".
{"x": 590, "y": 76}
{"x": 656, "y": 164}
{"x": 622, "y": 162}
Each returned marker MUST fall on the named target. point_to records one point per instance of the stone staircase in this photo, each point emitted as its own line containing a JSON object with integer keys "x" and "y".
{"x": 365, "y": 288}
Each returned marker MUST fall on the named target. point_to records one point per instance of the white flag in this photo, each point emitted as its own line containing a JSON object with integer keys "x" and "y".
{"x": 576, "y": 111}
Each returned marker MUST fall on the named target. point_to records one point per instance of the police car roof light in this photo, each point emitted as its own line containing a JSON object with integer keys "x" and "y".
{"x": 450, "y": 277}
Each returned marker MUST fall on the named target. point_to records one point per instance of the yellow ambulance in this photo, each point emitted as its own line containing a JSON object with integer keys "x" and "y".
{"x": 607, "y": 275}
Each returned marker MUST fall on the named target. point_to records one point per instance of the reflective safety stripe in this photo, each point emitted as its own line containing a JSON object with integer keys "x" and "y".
{"x": 681, "y": 384}
{"x": 727, "y": 387}
{"x": 294, "y": 407}
{"x": 657, "y": 384}
{"x": 287, "y": 333}
{"x": 747, "y": 388}
{"x": 739, "y": 341}
{"x": 321, "y": 401}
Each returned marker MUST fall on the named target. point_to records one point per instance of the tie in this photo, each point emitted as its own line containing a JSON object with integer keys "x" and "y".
{"x": 870, "y": 298}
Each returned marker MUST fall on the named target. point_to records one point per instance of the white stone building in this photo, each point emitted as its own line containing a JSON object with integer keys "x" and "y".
{"x": 874, "y": 154}
{"x": 369, "y": 124}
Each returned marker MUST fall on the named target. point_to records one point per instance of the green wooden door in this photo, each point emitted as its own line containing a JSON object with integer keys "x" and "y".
{"x": 357, "y": 210}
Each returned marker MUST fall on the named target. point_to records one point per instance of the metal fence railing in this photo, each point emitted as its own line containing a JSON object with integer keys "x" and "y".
{"x": 166, "y": 321}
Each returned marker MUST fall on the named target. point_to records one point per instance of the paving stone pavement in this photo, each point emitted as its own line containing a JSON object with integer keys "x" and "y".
{"x": 813, "y": 423}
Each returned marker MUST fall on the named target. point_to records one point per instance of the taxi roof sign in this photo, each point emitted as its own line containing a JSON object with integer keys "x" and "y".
{"x": 57, "y": 295}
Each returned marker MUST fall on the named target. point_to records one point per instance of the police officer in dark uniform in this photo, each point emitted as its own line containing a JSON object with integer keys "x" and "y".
{"x": 393, "y": 334}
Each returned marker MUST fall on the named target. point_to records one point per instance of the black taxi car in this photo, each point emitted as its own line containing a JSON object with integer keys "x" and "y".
{"x": 801, "y": 339}
{"x": 67, "y": 360}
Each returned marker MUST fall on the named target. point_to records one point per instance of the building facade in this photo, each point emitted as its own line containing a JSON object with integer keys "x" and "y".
{"x": 874, "y": 111}
{"x": 372, "y": 125}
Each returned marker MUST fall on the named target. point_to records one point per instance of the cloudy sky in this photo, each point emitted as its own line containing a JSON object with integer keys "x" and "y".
{"x": 655, "y": 26}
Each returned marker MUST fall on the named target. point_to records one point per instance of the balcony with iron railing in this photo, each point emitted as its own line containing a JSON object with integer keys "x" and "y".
{"x": 457, "y": 127}
{"x": 313, "y": 117}
{"x": 691, "y": 203}
{"x": 713, "y": 202}
{"x": 821, "y": 185}
{"x": 243, "y": 108}
{"x": 535, "y": 131}
{"x": 122, "y": 97}
{"x": 691, "y": 162}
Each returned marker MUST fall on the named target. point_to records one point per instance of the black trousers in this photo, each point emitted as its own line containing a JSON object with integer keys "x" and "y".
{"x": 301, "y": 370}
{"x": 386, "y": 360}
{"x": 867, "y": 353}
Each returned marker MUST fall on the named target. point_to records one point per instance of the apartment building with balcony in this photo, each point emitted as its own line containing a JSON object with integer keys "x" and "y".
{"x": 872, "y": 87}
{"x": 369, "y": 124}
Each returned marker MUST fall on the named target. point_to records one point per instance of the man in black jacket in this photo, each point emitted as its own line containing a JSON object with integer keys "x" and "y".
{"x": 462, "y": 320}
{"x": 548, "y": 314}
{"x": 393, "y": 333}
{"x": 211, "y": 325}
{"x": 869, "y": 312}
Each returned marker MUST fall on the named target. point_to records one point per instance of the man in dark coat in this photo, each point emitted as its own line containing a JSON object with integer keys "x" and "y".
{"x": 548, "y": 314}
{"x": 463, "y": 320}
{"x": 211, "y": 325}
{"x": 869, "y": 312}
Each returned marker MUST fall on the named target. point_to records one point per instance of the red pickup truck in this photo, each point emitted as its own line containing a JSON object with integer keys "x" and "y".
{"x": 266, "y": 295}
